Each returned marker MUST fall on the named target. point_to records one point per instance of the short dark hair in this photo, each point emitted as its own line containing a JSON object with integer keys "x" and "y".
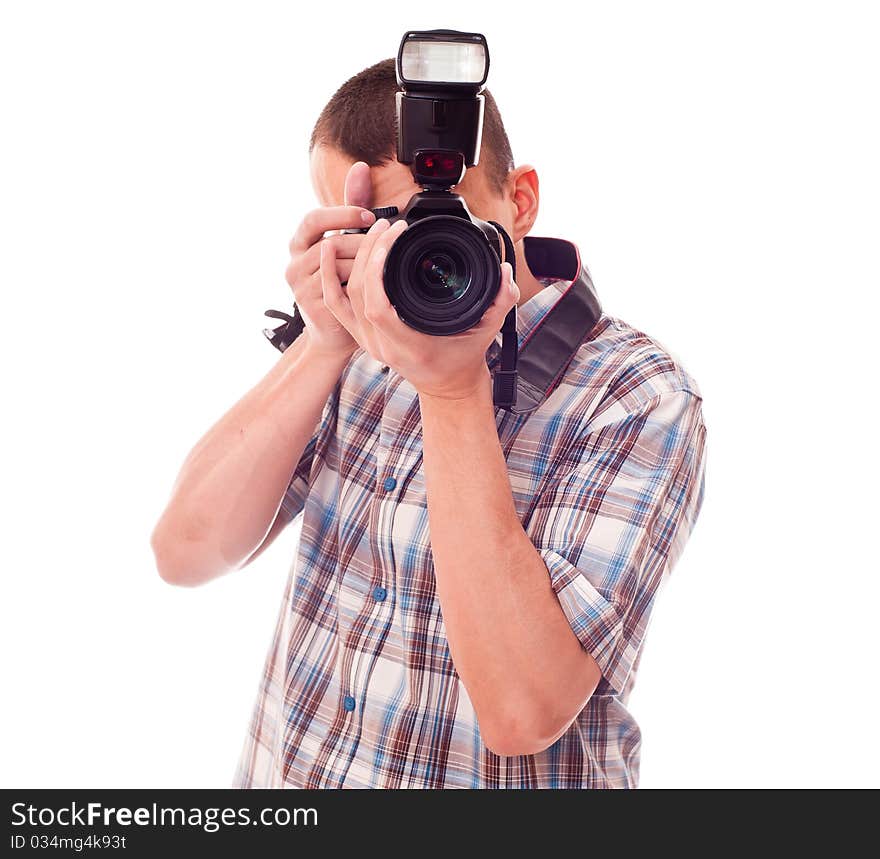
{"x": 361, "y": 120}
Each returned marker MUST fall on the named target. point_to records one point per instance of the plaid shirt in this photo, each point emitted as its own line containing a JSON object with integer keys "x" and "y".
{"x": 359, "y": 689}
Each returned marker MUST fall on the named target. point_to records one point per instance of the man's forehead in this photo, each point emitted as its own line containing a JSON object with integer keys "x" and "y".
{"x": 390, "y": 181}
{"x": 327, "y": 171}
{"x": 329, "y": 168}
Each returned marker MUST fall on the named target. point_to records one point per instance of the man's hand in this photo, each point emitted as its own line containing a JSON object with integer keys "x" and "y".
{"x": 448, "y": 367}
{"x": 325, "y": 332}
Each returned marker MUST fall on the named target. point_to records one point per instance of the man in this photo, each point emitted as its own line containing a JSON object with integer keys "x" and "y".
{"x": 472, "y": 587}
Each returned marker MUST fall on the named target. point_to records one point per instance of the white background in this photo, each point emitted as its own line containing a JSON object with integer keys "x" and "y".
{"x": 716, "y": 163}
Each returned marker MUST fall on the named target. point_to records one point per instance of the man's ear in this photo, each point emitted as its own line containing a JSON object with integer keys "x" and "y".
{"x": 524, "y": 194}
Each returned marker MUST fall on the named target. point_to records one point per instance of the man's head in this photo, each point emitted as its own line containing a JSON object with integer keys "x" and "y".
{"x": 359, "y": 123}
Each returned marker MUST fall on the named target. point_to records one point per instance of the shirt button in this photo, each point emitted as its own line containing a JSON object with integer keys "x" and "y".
{"x": 390, "y": 483}
{"x": 384, "y": 368}
{"x": 348, "y": 703}
{"x": 379, "y": 594}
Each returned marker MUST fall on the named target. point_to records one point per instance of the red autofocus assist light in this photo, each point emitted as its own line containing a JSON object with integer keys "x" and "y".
{"x": 439, "y": 165}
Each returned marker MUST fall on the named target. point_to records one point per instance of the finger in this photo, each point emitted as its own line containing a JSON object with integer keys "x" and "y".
{"x": 343, "y": 270}
{"x": 507, "y": 296}
{"x": 358, "y": 189}
{"x": 378, "y": 310}
{"x": 319, "y": 221}
{"x": 508, "y": 282}
{"x": 306, "y": 289}
{"x": 355, "y": 288}
{"x": 334, "y": 296}
{"x": 345, "y": 247}
{"x": 354, "y": 281}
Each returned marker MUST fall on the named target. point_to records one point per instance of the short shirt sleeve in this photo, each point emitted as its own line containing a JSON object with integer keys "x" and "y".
{"x": 294, "y": 499}
{"x": 297, "y": 491}
{"x": 614, "y": 517}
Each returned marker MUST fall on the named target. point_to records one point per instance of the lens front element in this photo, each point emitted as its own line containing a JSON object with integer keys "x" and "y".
{"x": 441, "y": 278}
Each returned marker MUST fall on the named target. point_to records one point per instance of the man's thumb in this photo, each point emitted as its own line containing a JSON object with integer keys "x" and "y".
{"x": 358, "y": 187}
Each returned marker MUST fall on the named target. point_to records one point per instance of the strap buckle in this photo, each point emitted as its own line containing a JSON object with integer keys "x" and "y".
{"x": 504, "y": 388}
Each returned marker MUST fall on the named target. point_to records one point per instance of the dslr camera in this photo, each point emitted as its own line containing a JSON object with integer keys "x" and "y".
{"x": 444, "y": 271}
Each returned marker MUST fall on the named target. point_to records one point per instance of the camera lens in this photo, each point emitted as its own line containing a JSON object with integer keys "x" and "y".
{"x": 441, "y": 274}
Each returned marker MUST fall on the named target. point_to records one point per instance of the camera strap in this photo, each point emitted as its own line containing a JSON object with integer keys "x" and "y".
{"x": 283, "y": 335}
{"x": 526, "y": 376}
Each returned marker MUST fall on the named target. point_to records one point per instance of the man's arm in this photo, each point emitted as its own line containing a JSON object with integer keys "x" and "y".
{"x": 524, "y": 668}
{"x": 611, "y": 521}
{"x": 226, "y": 498}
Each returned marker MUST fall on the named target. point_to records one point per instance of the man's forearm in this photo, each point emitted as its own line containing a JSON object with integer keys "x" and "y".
{"x": 229, "y": 488}
{"x": 524, "y": 669}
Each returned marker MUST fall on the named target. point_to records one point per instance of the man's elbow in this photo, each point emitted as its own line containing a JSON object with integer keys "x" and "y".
{"x": 513, "y": 745}
{"x": 519, "y": 734}
{"x": 179, "y": 563}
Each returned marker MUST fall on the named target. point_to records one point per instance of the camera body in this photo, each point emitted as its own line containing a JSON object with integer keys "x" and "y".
{"x": 444, "y": 271}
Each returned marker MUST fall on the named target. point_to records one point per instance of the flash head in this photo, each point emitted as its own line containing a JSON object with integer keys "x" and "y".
{"x": 429, "y": 59}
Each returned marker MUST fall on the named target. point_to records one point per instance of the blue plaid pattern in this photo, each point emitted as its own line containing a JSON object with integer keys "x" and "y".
{"x": 359, "y": 689}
